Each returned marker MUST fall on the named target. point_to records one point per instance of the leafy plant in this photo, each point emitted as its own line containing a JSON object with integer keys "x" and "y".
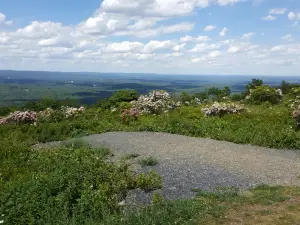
{"x": 262, "y": 94}
{"x": 149, "y": 161}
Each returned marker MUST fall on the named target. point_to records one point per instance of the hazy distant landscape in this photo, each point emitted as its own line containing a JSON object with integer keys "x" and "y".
{"x": 18, "y": 87}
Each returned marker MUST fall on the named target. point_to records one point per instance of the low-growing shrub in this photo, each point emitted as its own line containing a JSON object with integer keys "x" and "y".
{"x": 296, "y": 116}
{"x": 61, "y": 185}
{"x": 155, "y": 103}
{"x": 129, "y": 114}
{"x": 149, "y": 181}
{"x": 149, "y": 161}
{"x": 18, "y": 117}
{"x": 220, "y": 109}
{"x": 265, "y": 93}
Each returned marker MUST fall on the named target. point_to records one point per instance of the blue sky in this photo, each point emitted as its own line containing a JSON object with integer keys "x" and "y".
{"x": 259, "y": 37}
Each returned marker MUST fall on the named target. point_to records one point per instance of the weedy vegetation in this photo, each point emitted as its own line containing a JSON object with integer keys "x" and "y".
{"x": 75, "y": 184}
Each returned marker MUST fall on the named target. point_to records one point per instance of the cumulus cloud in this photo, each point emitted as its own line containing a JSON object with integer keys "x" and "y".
{"x": 203, "y": 47}
{"x": 143, "y": 36}
{"x": 287, "y": 37}
{"x": 210, "y": 28}
{"x": 223, "y": 32}
{"x": 269, "y": 18}
{"x": 278, "y": 11}
{"x": 3, "y": 20}
{"x": 188, "y": 38}
{"x": 234, "y": 49}
{"x": 294, "y": 16}
{"x": 248, "y": 35}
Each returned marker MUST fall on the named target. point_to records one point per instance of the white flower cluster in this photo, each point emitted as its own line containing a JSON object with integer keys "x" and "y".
{"x": 71, "y": 111}
{"x": 279, "y": 92}
{"x": 46, "y": 113}
{"x": 295, "y": 103}
{"x": 19, "y": 117}
{"x": 155, "y": 103}
{"x": 220, "y": 109}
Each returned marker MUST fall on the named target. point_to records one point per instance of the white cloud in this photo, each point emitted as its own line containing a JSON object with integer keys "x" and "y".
{"x": 294, "y": 16}
{"x": 278, "y": 11}
{"x": 233, "y": 49}
{"x": 287, "y": 37}
{"x": 42, "y": 30}
{"x": 124, "y": 47}
{"x": 4, "y": 21}
{"x": 188, "y": 38}
{"x": 269, "y": 18}
{"x": 214, "y": 54}
{"x": 143, "y": 36}
{"x": 248, "y": 35}
{"x": 278, "y": 48}
{"x": 181, "y": 27}
{"x": 223, "y": 32}
{"x": 178, "y": 48}
{"x": 227, "y": 2}
{"x": 210, "y": 28}
{"x": 196, "y": 60}
{"x": 203, "y": 47}
{"x": 153, "y": 46}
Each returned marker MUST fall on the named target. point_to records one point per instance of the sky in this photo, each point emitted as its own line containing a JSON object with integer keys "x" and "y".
{"x": 234, "y": 37}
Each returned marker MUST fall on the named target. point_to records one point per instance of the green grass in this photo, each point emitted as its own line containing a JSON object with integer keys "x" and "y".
{"x": 75, "y": 184}
{"x": 149, "y": 161}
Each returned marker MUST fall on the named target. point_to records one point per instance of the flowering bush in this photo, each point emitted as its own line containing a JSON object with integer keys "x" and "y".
{"x": 18, "y": 117}
{"x": 70, "y": 111}
{"x": 220, "y": 109}
{"x": 295, "y": 103}
{"x": 155, "y": 103}
{"x": 261, "y": 94}
{"x": 296, "y": 116}
{"x": 295, "y": 92}
{"x": 46, "y": 113}
{"x": 130, "y": 113}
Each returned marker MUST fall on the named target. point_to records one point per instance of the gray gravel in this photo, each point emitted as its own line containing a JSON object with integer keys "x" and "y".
{"x": 187, "y": 163}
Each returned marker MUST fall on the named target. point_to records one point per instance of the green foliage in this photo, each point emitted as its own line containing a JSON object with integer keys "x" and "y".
{"x": 149, "y": 161}
{"x": 253, "y": 84}
{"x": 202, "y": 96}
{"x": 261, "y": 94}
{"x": 237, "y": 97}
{"x": 125, "y": 105}
{"x": 57, "y": 186}
{"x": 50, "y": 103}
{"x": 294, "y": 92}
{"x": 119, "y": 97}
{"x": 217, "y": 94}
{"x": 5, "y": 111}
{"x": 148, "y": 182}
{"x": 185, "y": 97}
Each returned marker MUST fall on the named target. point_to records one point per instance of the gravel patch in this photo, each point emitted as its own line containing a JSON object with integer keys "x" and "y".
{"x": 187, "y": 163}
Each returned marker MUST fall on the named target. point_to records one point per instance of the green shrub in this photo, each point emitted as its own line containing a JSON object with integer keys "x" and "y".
{"x": 149, "y": 161}
{"x": 148, "y": 182}
{"x": 118, "y": 97}
{"x": 262, "y": 94}
{"x": 125, "y": 105}
{"x": 68, "y": 184}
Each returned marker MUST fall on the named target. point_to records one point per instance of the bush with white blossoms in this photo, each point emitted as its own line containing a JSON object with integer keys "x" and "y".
{"x": 71, "y": 111}
{"x": 295, "y": 103}
{"x": 19, "y": 117}
{"x": 220, "y": 109}
{"x": 46, "y": 113}
{"x": 154, "y": 103}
